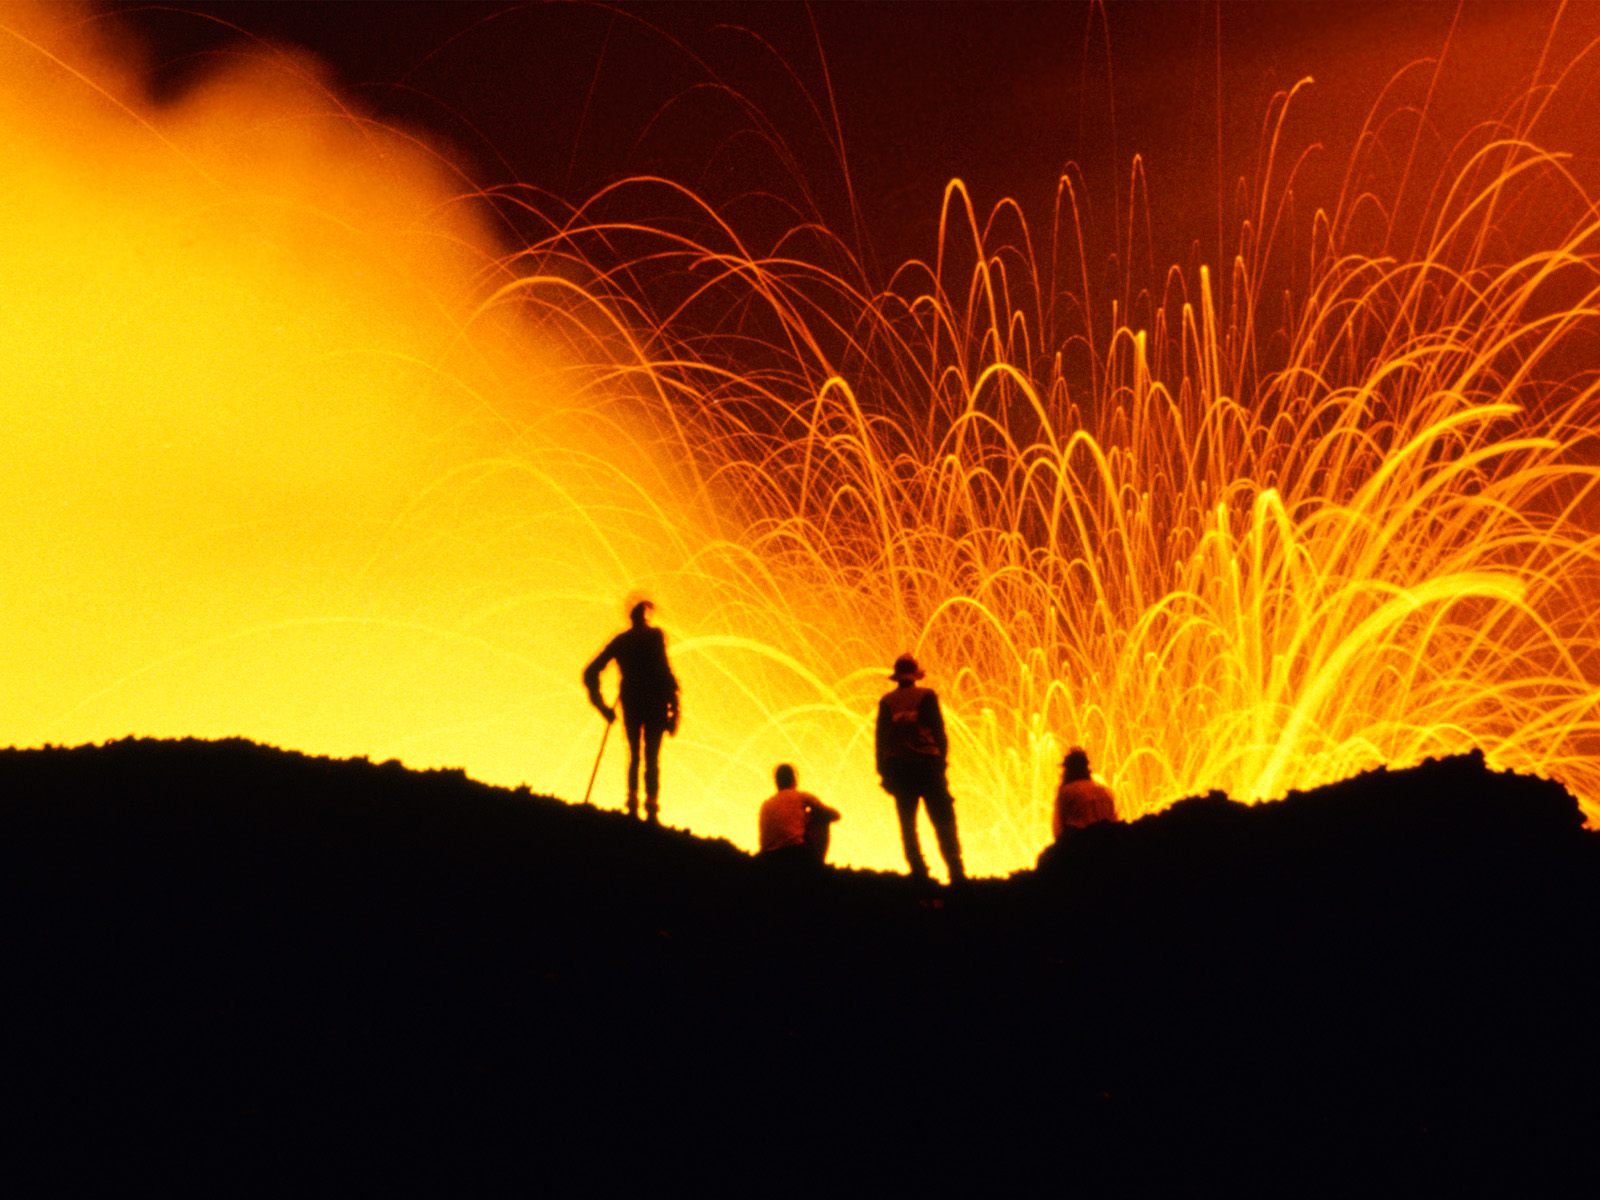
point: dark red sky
(571, 96)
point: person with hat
(1081, 800)
(912, 749)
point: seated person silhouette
(1081, 800)
(794, 825)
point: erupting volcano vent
(303, 449)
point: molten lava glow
(268, 472)
(297, 451)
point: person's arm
(591, 680)
(933, 718)
(663, 665)
(817, 810)
(675, 700)
(881, 737)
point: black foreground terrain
(228, 965)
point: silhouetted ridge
(224, 947)
(194, 799)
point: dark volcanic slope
(225, 960)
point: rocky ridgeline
(227, 959)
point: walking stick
(604, 737)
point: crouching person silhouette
(1081, 801)
(795, 826)
(649, 698)
(911, 751)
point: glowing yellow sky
(272, 472)
(222, 392)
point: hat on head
(906, 669)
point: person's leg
(788, 862)
(905, 807)
(818, 834)
(942, 812)
(652, 771)
(634, 730)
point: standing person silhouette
(911, 753)
(649, 698)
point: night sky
(572, 96)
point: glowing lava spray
(303, 454)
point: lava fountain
(304, 453)
(1220, 547)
